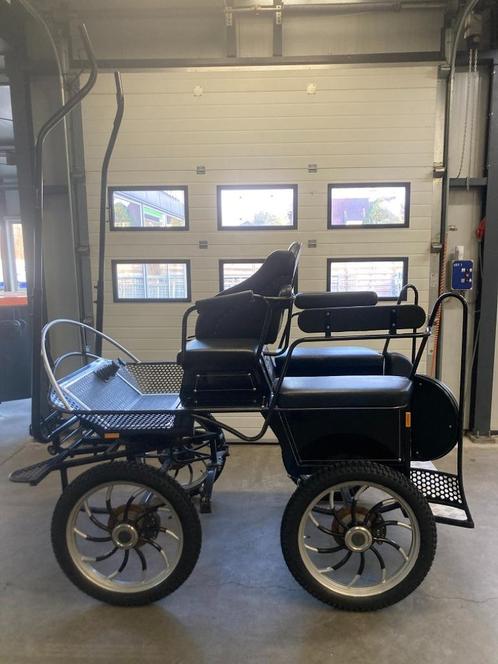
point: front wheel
(358, 536)
(126, 534)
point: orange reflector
(111, 436)
(408, 419)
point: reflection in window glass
(151, 281)
(149, 208)
(19, 256)
(382, 205)
(256, 207)
(233, 273)
(2, 277)
(385, 277)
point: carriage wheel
(358, 536)
(126, 534)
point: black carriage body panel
(314, 438)
(434, 419)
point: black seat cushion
(345, 392)
(397, 365)
(219, 354)
(314, 360)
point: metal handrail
(45, 355)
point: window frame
(372, 259)
(221, 187)
(353, 185)
(224, 261)
(124, 188)
(147, 261)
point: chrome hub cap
(358, 539)
(124, 536)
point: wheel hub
(125, 536)
(358, 538)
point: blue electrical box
(462, 273)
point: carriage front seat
(232, 326)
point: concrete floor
(240, 604)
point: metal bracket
(200, 170)
(228, 17)
(438, 170)
(278, 14)
(312, 168)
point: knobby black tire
(128, 472)
(361, 471)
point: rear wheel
(358, 536)
(126, 534)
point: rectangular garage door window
(369, 205)
(233, 272)
(148, 208)
(385, 276)
(257, 207)
(153, 281)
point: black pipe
(99, 324)
(37, 296)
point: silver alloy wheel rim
(352, 569)
(88, 526)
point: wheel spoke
(332, 549)
(98, 559)
(381, 563)
(91, 538)
(341, 563)
(395, 545)
(142, 559)
(170, 533)
(108, 503)
(329, 511)
(325, 530)
(121, 567)
(401, 524)
(129, 502)
(359, 572)
(354, 502)
(125, 561)
(158, 548)
(386, 505)
(92, 518)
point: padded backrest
(277, 272)
(245, 318)
(328, 300)
(362, 319)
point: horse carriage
(354, 425)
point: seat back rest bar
(332, 300)
(362, 319)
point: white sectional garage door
(309, 127)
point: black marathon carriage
(352, 422)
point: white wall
(259, 126)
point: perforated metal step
(438, 487)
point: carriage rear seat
(345, 392)
(312, 360)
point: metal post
(489, 289)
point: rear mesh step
(36, 473)
(442, 489)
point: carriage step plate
(443, 489)
(36, 473)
